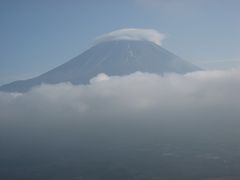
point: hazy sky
(36, 36)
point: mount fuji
(119, 56)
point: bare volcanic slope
(113, 57)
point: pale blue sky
(37, 35)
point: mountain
(116, 57)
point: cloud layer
(133, 34)
(119, 121)
(137, 95)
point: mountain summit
(113, 57)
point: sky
(36, 36)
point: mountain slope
(119, 57)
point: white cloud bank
(119, 115)
(138, 121)
(139, 96)
(133, 34)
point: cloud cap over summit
(135, 34)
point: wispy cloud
(172, 6)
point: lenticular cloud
(133, 34)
